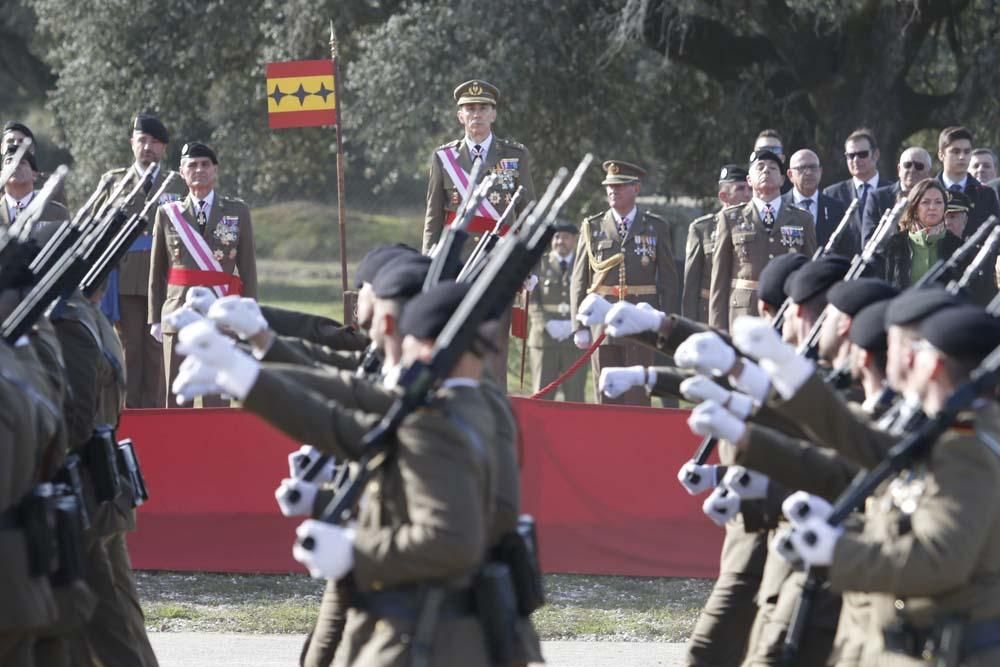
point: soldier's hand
(706, 353)
(698, 478)
(559, 329)
(782, 546)
(296, 497)
(326, 550)
(305, 457)
(182, 317)
(237, 371)
(699, 388)
(592, 310)
(200, 298)
(752, 381)
(156, 331)
(530, 283)
(788, 370)
(721, 505)
(582, 338)
(747, 484)
(710, 418)
(195, 378)
(801, 506)
(814, 541)
(616, 381)
(241, 315)
(626, 319)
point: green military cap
(477, 91)
(732, 173)
(619, 172)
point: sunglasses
(860, 155)
(915, 166)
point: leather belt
(630, 290)
(739, 283)
(406, 603)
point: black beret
(765, 154)
(425, 315)
(914, 305)
(151, 125)
(732, 173)
(568, 227)
(965, 332)
(868, 327)
(402, 279)
(851, 296)
(378, 257)
(816, 277)
(771, 283)
(28, 155)
(20, 127)
(197, 149)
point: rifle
(15, 162)
(945, 269)
(489, 239)
(915, 444)
(21, 228)
(826, 249)
(122, 241)
(67, 271)
(503, 276)
(17, 249)
(988, 248)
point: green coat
(698, 268)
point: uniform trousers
(143, 354)
(321, 645)
(549, 362)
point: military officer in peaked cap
(623, 253)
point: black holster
(69, 527)
(100, 453)
(128, 463)
(496, 607)
(36, 518)
(519, 551)
(70, 476)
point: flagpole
(349, 301)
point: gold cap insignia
(475, 89)
(613, 168)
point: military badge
(168, 197)
(454, 198)
(507, 197)
(228, 229)
(509, 164)
(494, 197)
(792, 236)
(645, 247)
(232, 254)
(219, 254)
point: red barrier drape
(600, 481)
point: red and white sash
(211, 273)
(460, 179)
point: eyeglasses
(774, 149)
(806, 167)
(915, 166)
(859, 155)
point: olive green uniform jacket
(698, 268)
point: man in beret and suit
(204, 239)
(128, 291)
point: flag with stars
(301, 94)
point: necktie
(808, 204)
(862, 196)
(563, 264)
(478, 153)
(17, 211)
(768, 218)
(623, 228)
(202, 218)
(954, 187)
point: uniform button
(899, 605)
(377, 585)
(373, 486)
(475, 239)
(770, 256)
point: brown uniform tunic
(698, 268)
(550, 357)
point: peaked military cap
(958, 201)
(757, 156)
(965, 332)
(771, 283)
(151, 125)
(732, 173)
(28, 156)
(13, 125)
(476, 91)
(377, 258)
(851, 296)
(913, 305)
(816, 277)
(868, 327)
(568, 227)
(196, 149)
(403, 278)
(619, 172)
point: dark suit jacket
(878, 203)
(845, 193)
(984, 203)
(994, 185)
(829, 211)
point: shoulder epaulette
(233, 200)
(450, 144)
(653, 216)
(704, 218)
(117, 171)
(596, 216)
(513, 144)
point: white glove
(592, 310)
(156, 331)
(698, 479)
(752, 381)
(782, 545)
(700, 388)
(582, 338)
(625, 319)
(559, 329)
(721, 505)
(800, 507)
(710, 418)
(296, 497)
(747, 484)
(195, 378)
(237, 371)
(182, 317)
(616, 381)
(530, 283)
(301, 459)
(705, 352)
(778, 359)
(326, 550)
(241, 315)
(200, 298)
(813, 541)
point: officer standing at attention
(143, 353)
(749, 236)
(551, 332)
(733, 190)
(624, 254)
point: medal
(454, 197)
(645, 260)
